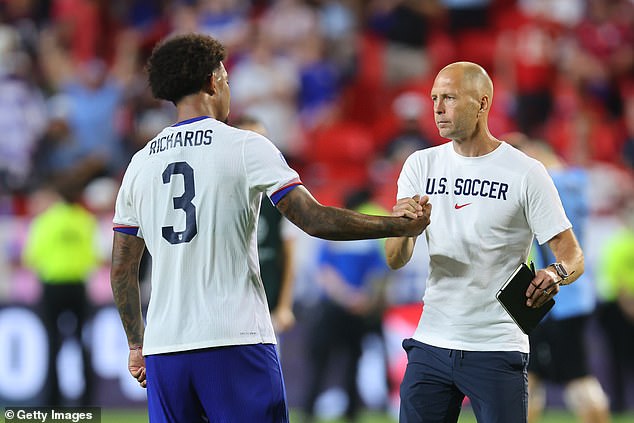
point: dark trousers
(335, 333)
(64, 308)
(437, 379)
(619, 333)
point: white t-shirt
(485, 212)
(194, 193)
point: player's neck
(193, 106)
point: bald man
(489, 200)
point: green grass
(124, 416)
(551, 416)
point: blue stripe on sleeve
(130, 230)
(279, 194)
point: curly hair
(181, 65)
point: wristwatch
(561, 271)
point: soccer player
(192, 196)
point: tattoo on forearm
(124, 279)
(333, 223)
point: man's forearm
(343, 225)
(338, 224)
(398, 251)
(567, 251)
(124, 280)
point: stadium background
(342, 87)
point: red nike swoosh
(456, 206)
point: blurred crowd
(342, 87)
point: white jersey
(485, 212)
(194, 193)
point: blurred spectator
(408, 133)
(150, 19)
(225, 20)
(558, 344)
(465, 15)
(527, 57)
(595, 60)
(143, 14)
(339, 27)
(319, 81)
(604, 58)
(184, 18)
(628, 115)
(405, 26)
(62, 250)
(26, 17)
(264, 84)
(86, 27)
(565, 12)
(94, 94)
(616, 313)
(276, 23)
(351, 275)
(55, 149)
(472, 29)
(22, 114)
(94, 99)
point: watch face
(561, 270)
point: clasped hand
(543, 287)
(414, 208)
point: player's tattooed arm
(301, 208)
(124, 279)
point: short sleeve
(125, 216)
(544, 212)
(267, 170)
(408, 179)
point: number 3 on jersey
(184, 202)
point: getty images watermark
(52, 414)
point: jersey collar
(192, 120)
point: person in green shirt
(62, 250)
(618, 267)
(616, 312)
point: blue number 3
(184, 202)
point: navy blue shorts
(236, 384)
(437, 379)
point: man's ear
(210, 85)
(484, 104)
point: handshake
(417, 210)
